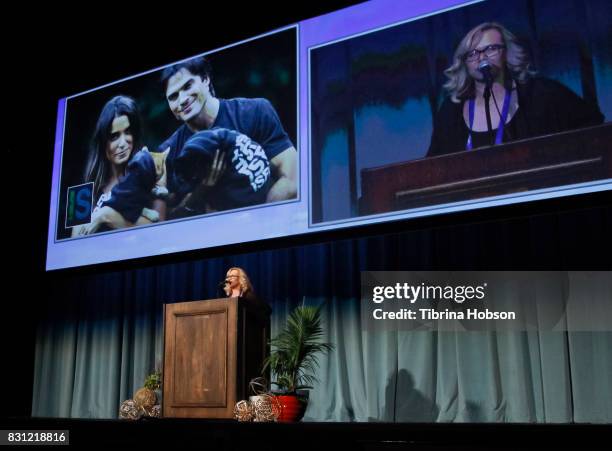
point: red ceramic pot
(292, 408)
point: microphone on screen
(486, 69)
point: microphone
(221, 288)
(222, 283)
(486, 69)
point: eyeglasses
(489, 51)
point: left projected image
(209, 135)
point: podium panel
(575, 156)
(212, 349)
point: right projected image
(482, 102)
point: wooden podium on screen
(576, 156)
(212, 349)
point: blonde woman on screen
(491, 71)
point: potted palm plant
(293, 360)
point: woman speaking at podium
(237, 284)
(495, 98)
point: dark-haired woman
(117, 135)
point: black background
(59, 54)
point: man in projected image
(191, 98)
(491, 71)
(227, 154)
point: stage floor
(231, 435)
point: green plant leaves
(295, 350)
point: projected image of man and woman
(227, 154)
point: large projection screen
(345, 122)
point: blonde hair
(460, 85)
(243, 281)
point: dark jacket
(545, 107)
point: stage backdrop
(100, 334)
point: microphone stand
(487, 95)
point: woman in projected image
(117, 134)
(490, 63)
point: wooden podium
(566, 158)
(212, 349)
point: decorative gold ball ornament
(153, 412)
(145, 398)
(266, 407)
(129, 410)
(243, 411)
(260, 407)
